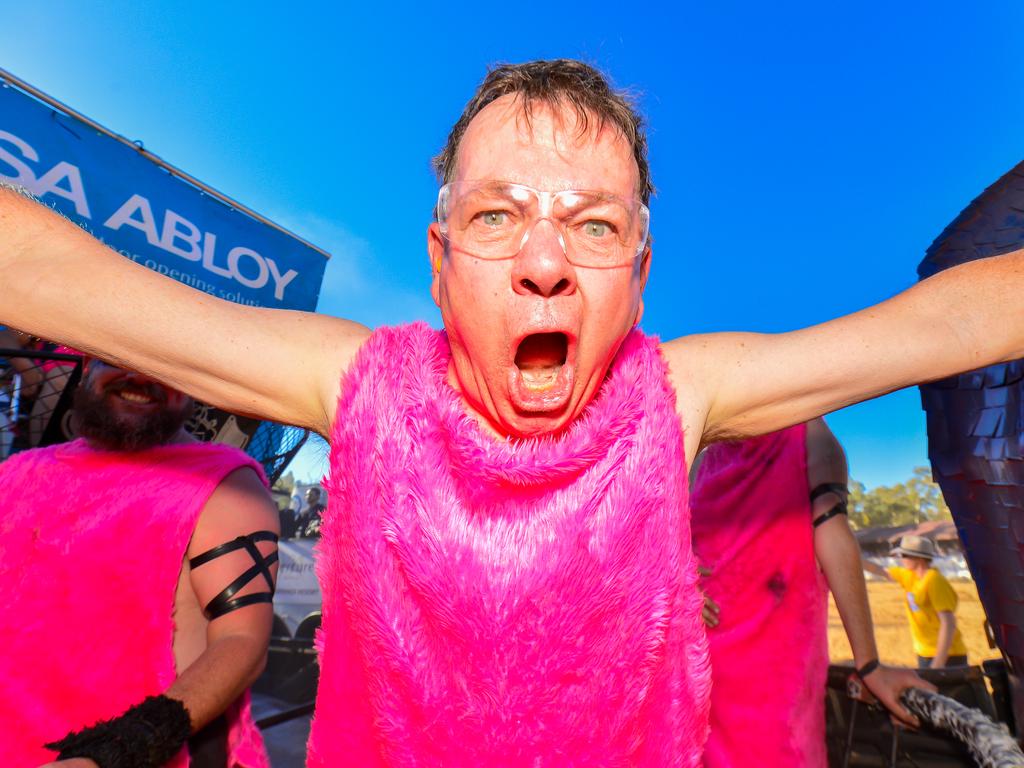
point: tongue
(540, 357)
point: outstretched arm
(876, 569)
(212, 675)
(741, 384)
(236, 642)
(60, 283)
(839, 556)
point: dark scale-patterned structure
(976, 433)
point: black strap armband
(147, 735)
(868, 668)
(839, 508)
(226, 602)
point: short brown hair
(553, 82)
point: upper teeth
(135, 397)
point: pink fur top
(91, 547)
(506, 602)
(769, 655)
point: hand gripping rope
(990, 744)
(225, 602)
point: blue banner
(149, 215)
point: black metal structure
(860, 733)
(976, 433)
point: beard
(106, 427)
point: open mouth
(540, 358)
(135, 394)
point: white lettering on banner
(181, 237)
(234, 264)
(209, 248)
(125, 216)
(280, 281)
(50, 182)
(190, 235)
(266, 266)
(24, 176)
(176, 234)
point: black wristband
(868, 668)
(147, 735)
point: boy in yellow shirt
(931, 603)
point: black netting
(36, 387)
(274, 446)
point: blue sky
(805, 153)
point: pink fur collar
(491, 602)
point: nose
(541, 268)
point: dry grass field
(893, 634)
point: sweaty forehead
(549, 150)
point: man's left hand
(887, 683)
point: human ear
(644, 268)
(435, 252)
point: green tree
(915, 501)
(928, 496)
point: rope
(989, 743)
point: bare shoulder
(301, 357)
(690, 373)
(338, 341)
(239, 506)
(703, 369)
(821, 438)
(826, 460)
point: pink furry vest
(91, 547)
(506, 603)
(769, 655)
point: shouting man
(506, 559)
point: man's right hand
(887, 683)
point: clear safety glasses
(494, 219)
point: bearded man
(506, 561)
(136, 573)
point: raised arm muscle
(60, 283)
(743, 384)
